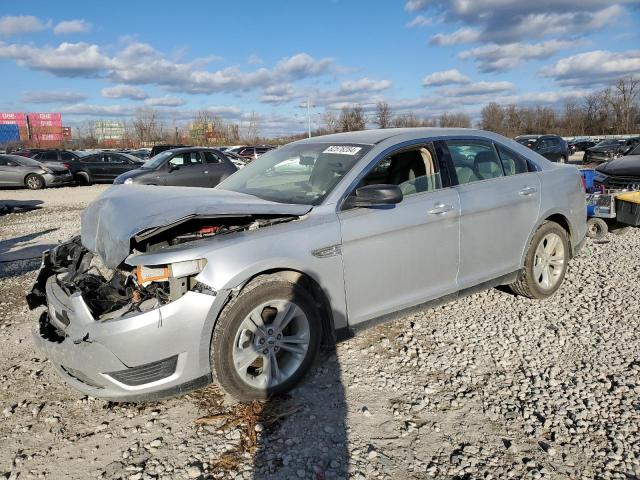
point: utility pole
(309, 117)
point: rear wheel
(83, 179)
(34, 182)
(265, 339)
(545, 263)
(597, 228)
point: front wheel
(34, 182)
(265, 339)
(545, 263)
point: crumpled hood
(123, 211)
(604, 149)
(628, 166)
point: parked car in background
(552, 147)
(622, 173)
(242, 283)
(581, 145)
(156, 149)
(236, 159)
(251, 153)
(184, 167)
(141, 153)
(91, 166)
(16, 171)
(27, 152)
(609, 149)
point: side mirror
(374, 196)
(173, 167)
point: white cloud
(595, 67)
(72, 26)
(65, 60)
(445, 77)
(498, 58)
(166, 101)
(124, 91)
(477, 88)
(53, 97)
(93, 110)
(463, 35)
(20, 24)
(508, 21)
(363, 85)
(255, 60)
(278, 94)
(420, 21)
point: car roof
(375, 136)
(188, 149)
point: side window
(211, 157)
(414, 170)
(512, 163)
(91, 159)
(554, 142)
(185, 159)
(66, 156)
(48, 156)
(542, 144)
(474, 160)
(111, 158)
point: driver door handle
(526, 191)
(440, 208)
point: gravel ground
(491, 386)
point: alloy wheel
(549, 261)
(271, 344)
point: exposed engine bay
(125, 290)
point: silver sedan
(309, 244)
(17, 171)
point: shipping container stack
(17, 119)
(9, 134)
(45, 129)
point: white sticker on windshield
(342, 149)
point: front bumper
(51, 180)
(143, 356)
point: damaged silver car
(167, 289)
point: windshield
(296, 173)
(159, 159)
(605, 143)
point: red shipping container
(44, 123)
(48, 137)
(54, 117)
(13, 118)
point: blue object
(588, 175)
(9, 133)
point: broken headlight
(178, 276)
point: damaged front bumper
(135, 357)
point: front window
(298, 173)
(159, 159)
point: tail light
(67, 165)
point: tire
(542, 275)
(83, 179)
(597, 228)
(563, 159)
(234, 344)
(34, 181)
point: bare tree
(383, 115)
(352, 118)
(253, 129)
(623, 101)
(147, 126)
(329, 121)
(492, 118)
(454, 120)
(407, 120)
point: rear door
(499, 208)
(11, 173)
(217, 168)
(94, 165)
(114, 165)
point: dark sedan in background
(609, 149)
(182, 167)
(620, 173)
(18, 171)
(552, 147)
(90, 167)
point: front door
(499, 201)
(11, 173)
(186, 169)
(403, 255)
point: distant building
(109, 131)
